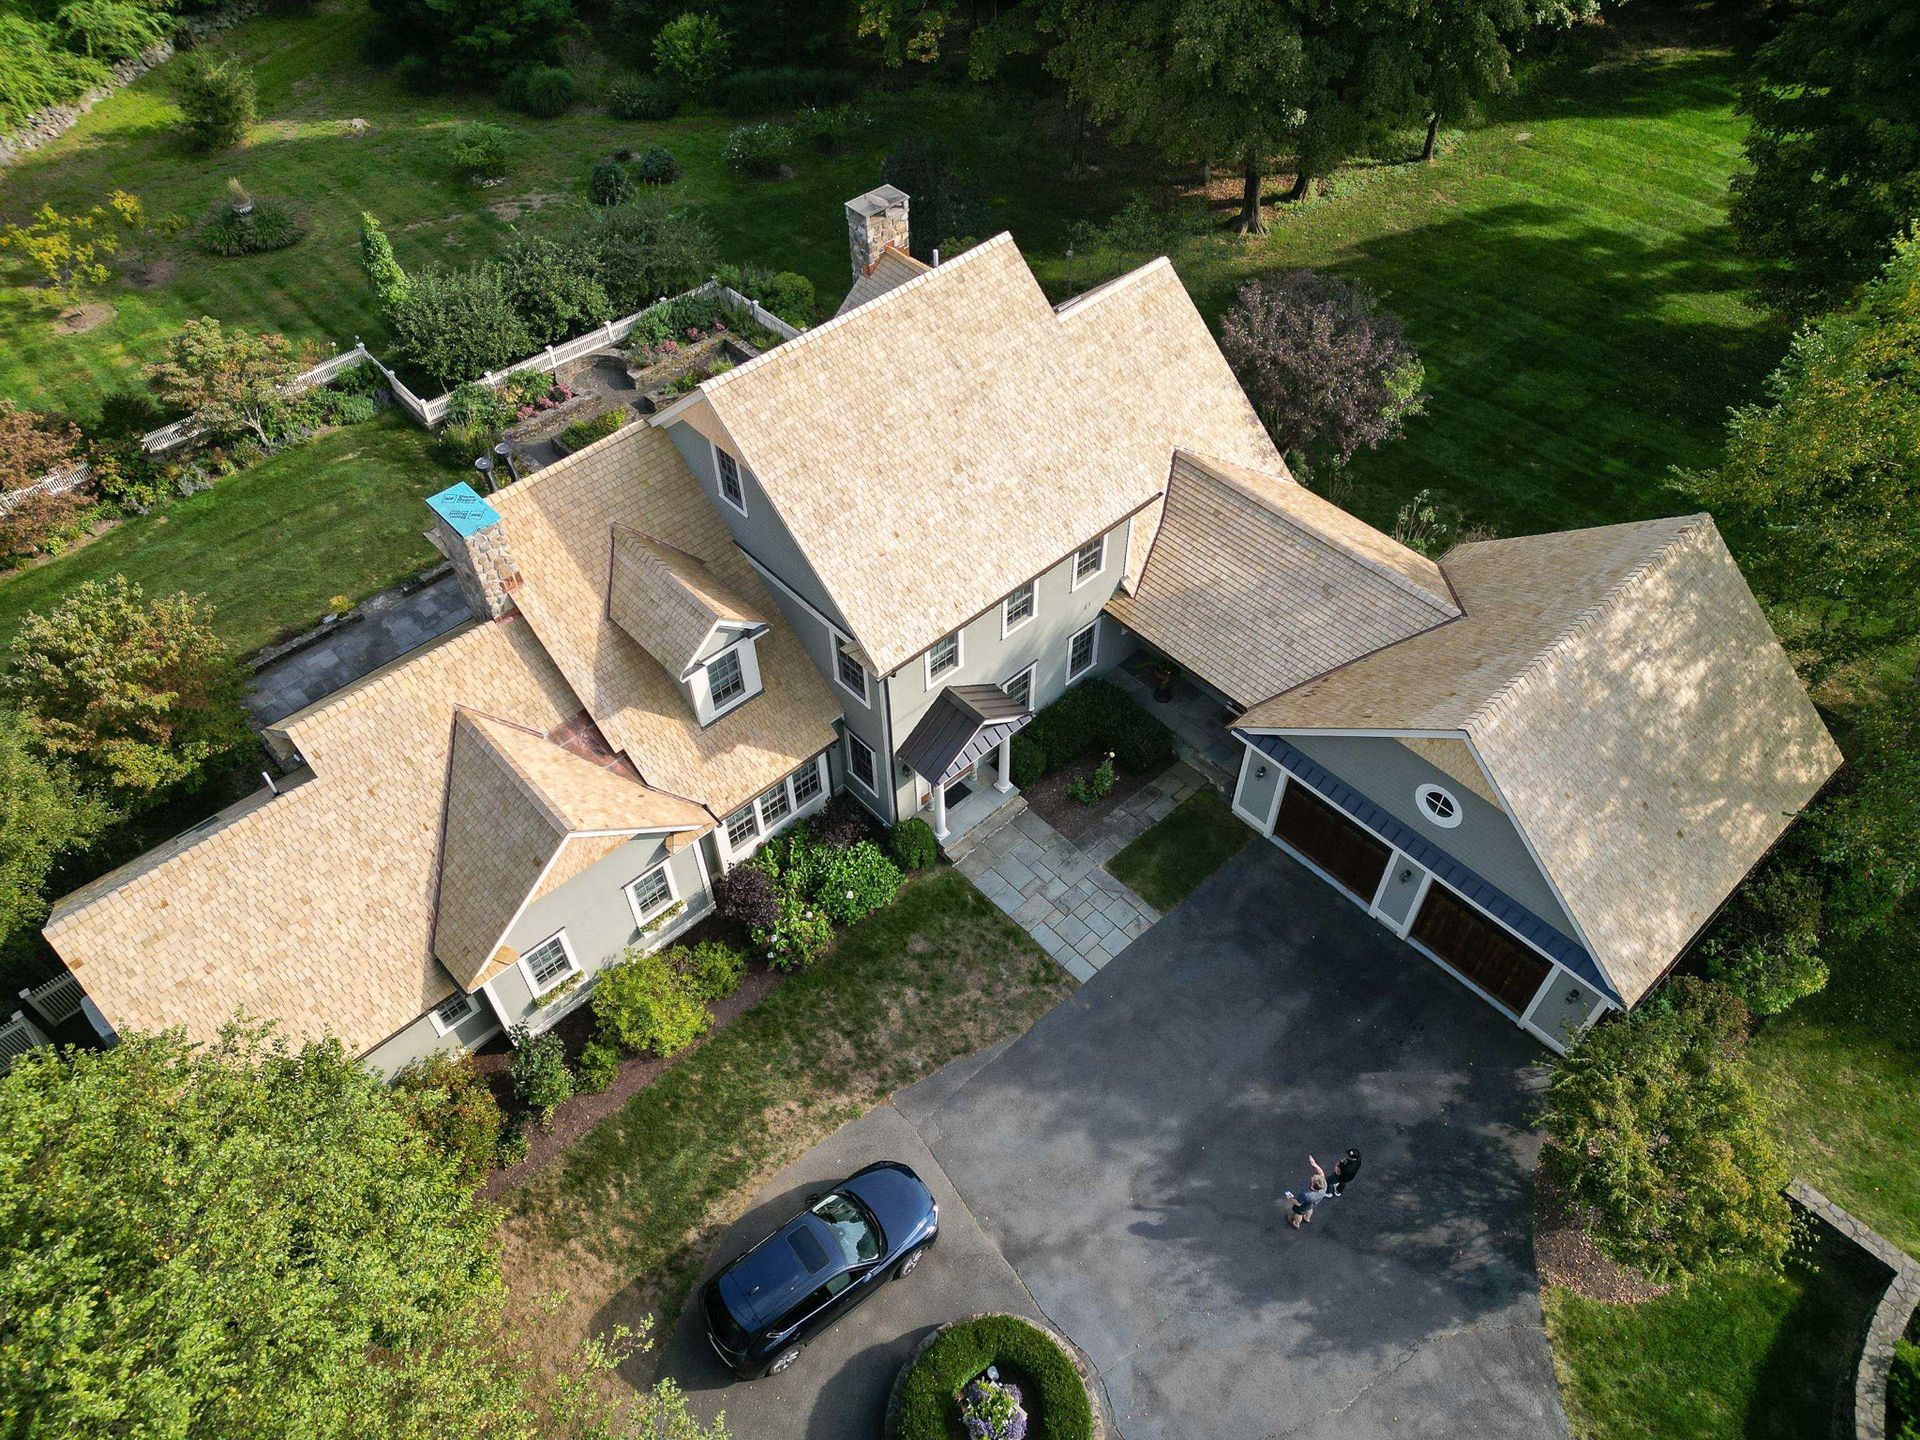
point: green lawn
(626, 1217)
(271, 546)
(1164, 865)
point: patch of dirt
(83, 318)
(513, 207)
(1048, 797)
(1565, 1255)
(152, 275)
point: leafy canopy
(70, 251)
(228, 381)
(31, 445)
(43, 814)
(691, 51)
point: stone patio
(1058, 890)
(1198, 721)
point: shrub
(599, 1063)
(691, 51)
(444, 1098)
(555, 289)
(1029, 761)
(478, 406)
(1094, 787)
(390, 283)
(655, 165)
(1766, 947)
(541, 1080)
(1097, 714)
(759, 150)
(788, 295)
(513, 1143)
(641, 1004)
(479, 150)
(746, 896)
(1140, 743)
(351, 409)
(913, 844)
(829, 130)
(645, 249)
(124, 414)
(1068, 728)
(270, 225)
(109, 29)
(455, 325)
(851, 884)
(417, 75)
(216, 100)
(785, 88)
(609, 184)
(928, 1403)
(583, 433)
(1903, 1391)
(711, 969)
(543, 91)
(843, 822)
(798, 936)
(639, 97)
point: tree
(43, 815)
(1661, 1093)
(32, 447)
(477, 38)
(445, 1099)
(1765, 946)
(237, 1240)
(216, 100)
(554, 290)
(138, 695)
(945, 206)
(691, 50)
(1821, 483)
(390, 283)
(69, 252)
(583, 1410)
(1329, 372)
(645, 250)
(1866, 829)
(1833, 146)
(456, 325)
(229, 381)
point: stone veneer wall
(1896, 1307)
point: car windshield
(851, 1230)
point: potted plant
(1160, 676)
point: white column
(1005, 782)
(940, 811)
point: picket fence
(428, 413)
(58, 1000)
(17, 1037)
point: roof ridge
(1073, 304)
(1326, 541)
(1588, 616)
(619, 526)
(525, 781)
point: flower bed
(937, 1398)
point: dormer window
(725, 682)
(944, 655)
(731, 490)
(1089, 560)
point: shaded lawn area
(1738, 1358)
(1164, 865)
(623, 1221)
(271, 546)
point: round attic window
(1438, 805)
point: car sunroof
(808, 1250)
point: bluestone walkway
(389, 626)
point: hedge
(1056, 1396)
(1097, 714)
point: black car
(872, 1227)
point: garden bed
(666, 381)
(1048, 796)
(1051, 1381)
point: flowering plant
(991, 1409)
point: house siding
(421, 1039)
(592, 908)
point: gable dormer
(672, 606)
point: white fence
(58, 1000)
(427, 412)
(17, 1037)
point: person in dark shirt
(1344, 1171)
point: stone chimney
(467, 530)
(876, 220)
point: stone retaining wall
(1897, 1305)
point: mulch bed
(1047, 797)
(1565, 1254)
(580, 1114)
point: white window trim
(739, 847)
(700, 683)
(1450, 822)
(573, 965)
(863, 695)
(1092, 660)
(1033, 609)
(796, 808)
(673, 892)
(719, 487)
(853, 775)
(1032, 672)
(959, 638)
(1097, 571)
(440, 1027)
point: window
(742, 826)
(860, 763)
(1016, 610)
(852, 674)
(1438, 805)
(453, 1011)
(548, 963)
(1020, 689)
(724, 681)
(650, 894)
(775, 806)
(1089, 560)
(944, 656)
(1082, 651)
(806, 785)
(730, 488)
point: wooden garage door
(1353, 856)
(1479, 948)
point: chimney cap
(878, 200)
(462, 508)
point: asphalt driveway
(1117, 1170)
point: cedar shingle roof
(893, 269)
(559, 526)
(1627, 697)
(935, 447)
(668, 600)
(1256, 584)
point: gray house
(858, 563)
